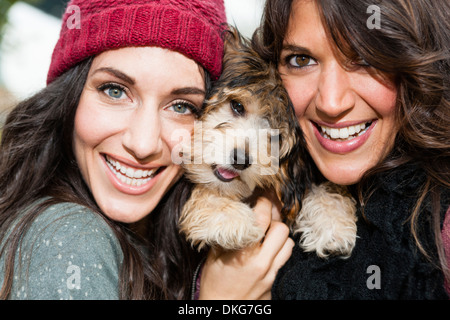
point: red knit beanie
(191, 27)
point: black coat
(385, 263)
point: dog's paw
(230, 225)
(327, 221)
(234, 229)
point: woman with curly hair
(369, 81)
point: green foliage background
(4, 8)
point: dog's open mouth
(225, 174)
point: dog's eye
(237, 108)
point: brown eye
(237, 108)
(300, 61)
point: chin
(342, 176)
(126, 211)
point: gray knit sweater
(68, 253)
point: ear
(234, 41)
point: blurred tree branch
(5, 5)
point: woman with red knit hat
(89, 195)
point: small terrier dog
(248, 138)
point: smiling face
(346, 110)
(132, 102)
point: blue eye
(113, 90)
(183, 108)
(115, 93)
(180, 108)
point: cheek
(94, 123)
(86, 136)
(380, 96)
(177, 138)
(300, 93)
(87, 133)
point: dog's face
(237, 144)
(248, 132)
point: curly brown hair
(411, 47)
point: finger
(214, 253)
(276, 204)
(276, 212)
(284, 254)
(263, 212)
(275, 239)
(280, 260)
(266, 296)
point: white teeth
(130, 173)
(130, 176)
(138, 174)
(343, 133)
(334, 133)
(346, 133)
(351, 130)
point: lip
(342, 124)
(126, 188)
(342, 147)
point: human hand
(248, 274)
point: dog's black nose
(240, 159)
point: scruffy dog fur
(248, 98)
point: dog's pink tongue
(227, 174)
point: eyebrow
(188, 91)
(116, 73)
(179, 91)
(295, 48)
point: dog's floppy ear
(242, 66)
(294, 172)
(235, 44)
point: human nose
(143, 137)
(335, 95)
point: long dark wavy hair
(37, 161)
(412, 47)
